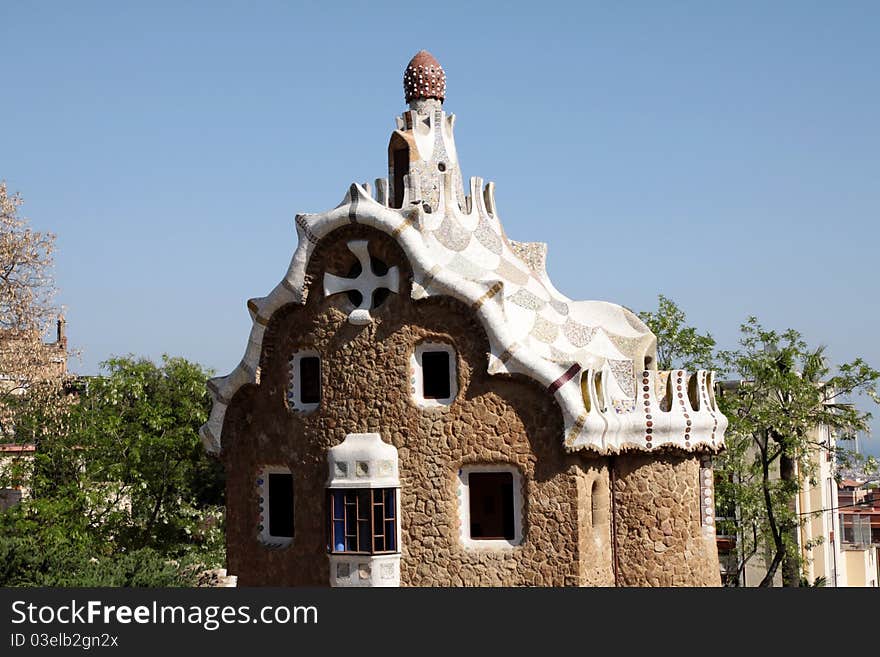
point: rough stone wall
(594, 523)
(660, 541)
(366, 388)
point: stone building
(418, 405)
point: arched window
(398, 163)
(599, 503)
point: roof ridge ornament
(424, 78)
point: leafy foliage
(124, 492)
(783, 392)
(787, 393)
(679, 346)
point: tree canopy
(121, 472)
(779, 390)
(786, 390)
(679, 346)
(27, 291)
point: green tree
(135, 431)
(679, 346)
(786, 390)
(121, 473)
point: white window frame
(417, 374)
(294, 393)
(464, 507)
(265, 537)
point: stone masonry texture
(660, 541)
(511, 420)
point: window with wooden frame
(363, 520)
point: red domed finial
(424, 78)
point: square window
(490, 506)
(9, 497)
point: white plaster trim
(365, 283)
(512, 349)
(417, 374)
(464, 507)
(365, 461)
(362, 460)
(276, 542)
(364, 570)
(294, 392)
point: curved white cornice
(532, 329)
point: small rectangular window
(281, 505)
(435, 375)
(434, 370)
(304, 384)
(491, 505)
(310, 380)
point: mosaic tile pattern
(623, 372)
(544, 331)
(559, 306)
(465, 267)
(511, 272)
(578, 334)
(526, 299)
(460, 249)
(486, 235)
(534, 254)
(558, 356)
(424, 78)
(452, 236)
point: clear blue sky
(725, 154)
